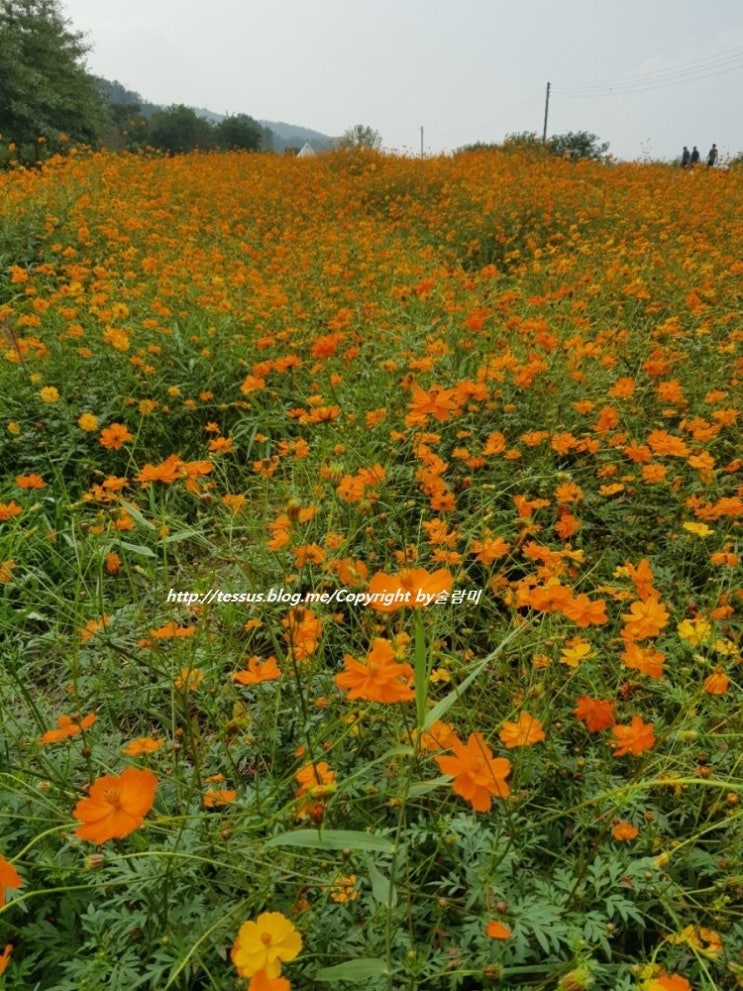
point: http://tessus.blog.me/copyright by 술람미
(339, 596)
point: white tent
(305, 151)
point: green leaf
(424, 787)
(137, 549)
(333, 839)
(353, 970)
(195, 535)
(382, 888)
(136, 515)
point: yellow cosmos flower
(87, 422)
(575, 651)
(694, 631)
(264, 944)
(699, 529)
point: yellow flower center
(266, 939)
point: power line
(689, 72)
(686, 67)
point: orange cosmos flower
(303, 632)
(495, 443)
(584, 611)
(235, 502)
(8, 510)
(653, 473)
(9, 878)
(252, 383)
(705, 941)
(644, 659)
(624, 831)
(567, 525)
(166, 472)
(669, 982)
(114, 437)
(725, 558)
(441, 736)
(642, 578)
(477, 774)
(380, 679)
(633, 739)
(66, 728)
(32, 481)
(115, 806)
(490, 549)
(262, 982)
(437, 402)
(645, 619)
(217, 798)
(496, 930)
(413, 587)
(316, 782)
(222, 445)
(349, 571)
(258, 671)
(597, 714)
(547, 598)
(523, 733)
(5, 957)
(662, 443)
(717, 683)
(172, 629)
(142, 745)
(93, 626)
(263, 945)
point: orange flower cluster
(467, 369)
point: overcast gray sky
(646, 75)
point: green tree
(578, 144)
(239, 131)
(45, 91)
(360, 136)
(179, 129)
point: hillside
(284, 135)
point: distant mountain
(284, 135)
(294, 136)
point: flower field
(370, 586)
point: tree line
(48, 99)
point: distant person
(685, 156)
(712, 157)
(694, 156)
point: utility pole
(546, 111)
(421, 141)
